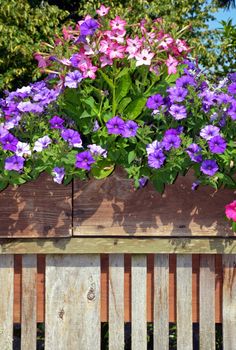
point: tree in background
(23, 26)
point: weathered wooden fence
(72, 286)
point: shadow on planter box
(112, 207)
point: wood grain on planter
(112, 207)
(39, 208)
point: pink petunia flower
(230, 211)
(103, 11)
(171, 63)
(144, 58)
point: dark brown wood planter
(111, 207)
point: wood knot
(61, 314)
(91, 294)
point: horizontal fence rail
(74, 293)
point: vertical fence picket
(184, 302)
(29, 302)
(161, 302)
(72, 302)
(139, 302)
(229, 302)
(207, 302)
(116, 302)
(6, 301)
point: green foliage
(23, 27)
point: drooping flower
(156, 159)
(209, 167)
(97, 150)
(14, 163)
(209, 131)
(23, 148)
(42, 143)
(72, 79)
(230, 211)
(193, 151)
(72, 137)
(178, 112)
(155, 101)
(195, 185)
(171, 141)
(143, 181)
(56, 122)
(172, 64)
(58, 174)
(115, 125)
(130, 129)
(217, 144)
(84, 160)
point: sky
(223, 15)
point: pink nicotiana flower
(171, 63)
(105, 61)
(118, 23)
(103, 11)
(116, 51)
(144, 58)
(230, 211)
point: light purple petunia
(84, 160)
(73, 79)
(209, 131)
(96, 126)
(154, 146)
(58, 174)
(97, 150)
(154, 102)
(156, 159)
(171, 141)
(185, 80)
(177, 94)
(232, 88)
(14, 163)
(9, 142)
(115, 126)
(178, 112)
(42, 143)
(217, 144)
(209, 167)
(3, 131)
(22, 148)
(72, 137)
(232, 110)
(29, 107)
(193, 151)
(143, 181)
(130, 129)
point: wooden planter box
(112, 207)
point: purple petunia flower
(217, 144)
(232, 88)
(9, 142)
(224, 98)
(154, 102)
(58, 174)
(72, 137)
(97, 150)
(130, 129)
(28, 106)
(84, 160)
(178, 112)
(22, 148)
(232, 110)
(154, 146)
(96, 126)
(3, 131)
(171, 141)
(209, 131)
(115, 126)
(72, 79)
(42, 143)
(209, 167)
(14, 163)
(56, 122)
(185, 80)
(88, 27)
(195, 185)
(156, 159)
(173, 131)
(177, 94)
(232, 76)
(143, 181)
(193, 151)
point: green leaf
(102, 172)
(123, 87)
(131, 156)
(135, 108)
(107, 79)
(123, 104)
(158, 183)
(234, 226)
